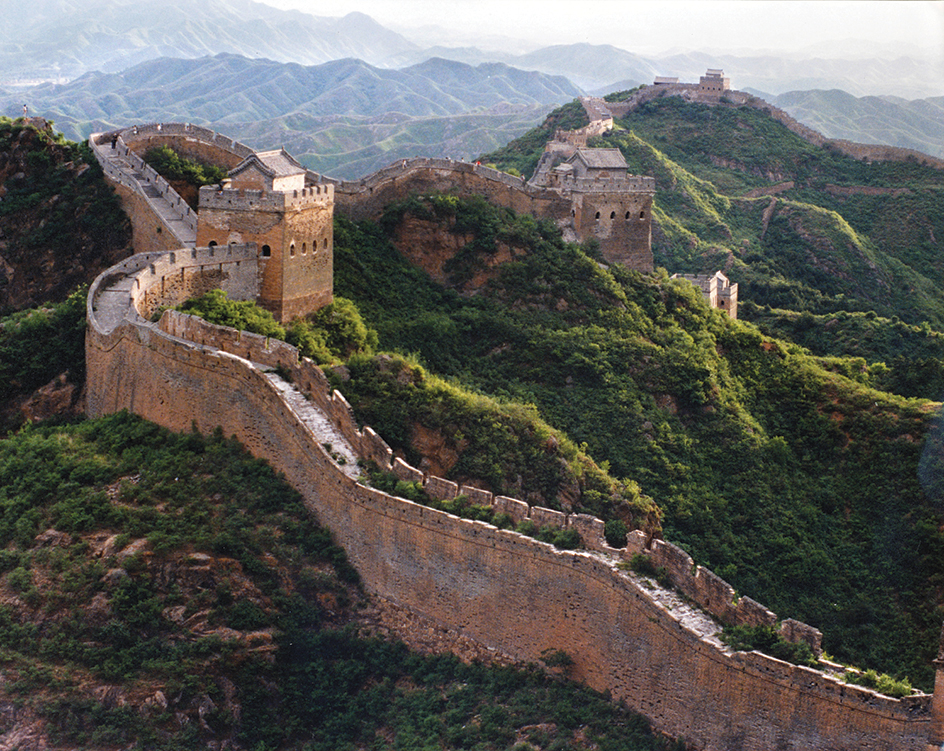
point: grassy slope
(186, 597)
(789, 478)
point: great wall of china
(656, 649)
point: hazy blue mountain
(598, 67)
(906, 77)
(344, 117)
(65, 38)
(916, 124)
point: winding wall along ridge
(507, 592)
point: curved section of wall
(191, 141)
(506, 591)
(160, 218)
(367, 198)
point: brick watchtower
(269, 201)
(609, 204)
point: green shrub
(768, 640)
(881, 682)
(567, 539)
(615, 531)
(246, 615)
(244, 315)
(171, 166)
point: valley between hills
(167, 591)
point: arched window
(612, 215)
(598, 215)
(642, 214)
(304, 249)
(213, 244)
(627, 216)
(291, 250)
(266, 251)
(326, 242)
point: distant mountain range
(62, 39)
(343, 117)
(348, 95)
(917, 124)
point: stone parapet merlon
(231, 198)
(654, 648)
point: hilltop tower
(608, 204)
(268, 200)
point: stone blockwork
(294, 233)
(190, 141)
(293, 229)
(582, 214)
(499, 589)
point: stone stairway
(169, 206)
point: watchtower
(609, 204)
(268, 200)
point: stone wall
(367, 198)
(584, 214)
(190, 141)
(621, 223)
(505, 591)
(149, 232)
(295, 236)
(140, 188)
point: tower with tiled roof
(269, 199)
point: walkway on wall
(125, 167)
(318, 423)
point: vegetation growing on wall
(188, 599)
(331, 334)
(774, 468)
(172, 166)
(503, 446)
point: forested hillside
(788, 451)
(165, 591)
(779, 470)
(792, 474)
(801, 229)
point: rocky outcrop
(60, 225)
(431, 246)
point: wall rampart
(191, 141)
(504, 590)
(368, 197)
(140, 188)
(258, 200)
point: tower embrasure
(269, 200)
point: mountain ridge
(342, 115)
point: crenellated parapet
(656, 649)
(212, 197)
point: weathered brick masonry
(506, 591)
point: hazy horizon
(654, 26)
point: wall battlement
(258, 200)
(625, 635)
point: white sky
(650, 26)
